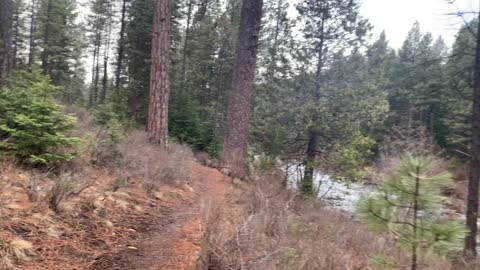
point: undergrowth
(271, 228)
(82, 206)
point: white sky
(396, 17)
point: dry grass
(68, 224)
(16, 250)
(66, 185)
(410, 137)
(21, 249)
(154, 165)
(203, 158)
(68, 214)
(84, 123)
(265, 227)
(34, 179)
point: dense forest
(302, 84)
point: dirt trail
(173, 241)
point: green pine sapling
(33, 125)
(408, 206)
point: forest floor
(104, 228)
(207, 221)
(174, 241)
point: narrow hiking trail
(173, 241)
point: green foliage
(348, 161)
(105, 116)
(383, 262)
(139, 37)
(203, 73)
(106, 150)
(59, 37)
(33, 126)
(418, 84)
(459, 97)
(288, 255)
(408, 206)
(139, 40)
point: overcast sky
(396, 17)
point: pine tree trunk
(157, 124)
(46, 38)
(307, 187)
(106, 56)
(31, 38)
(121, 45)
(272, 67)
(474, 181)
(104, 79)
(103, 94)
(16, 38)
(239, 105)
(6, 39)
(185, 43)
(92, 87)
(97, 77)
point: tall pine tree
(239, 105)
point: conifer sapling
(408, 206)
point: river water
(344, 196)
(338, 195)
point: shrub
(153, 164)
(33, 126)
(412, 138)
(106, 151)
(264, 226)
(33, 188)
(65, 186)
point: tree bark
(185, 43)
(272, 67)
(157, 124)
(121, 45)
(46, 37)
(16, 35)
(6, 39)
(103, 94)
(307, 186)
(97, 77)
(31, 38)
(470, 249)
(92, 86)
(239, 104)
(105, 61)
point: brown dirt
(104, 229)
(173, 240)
